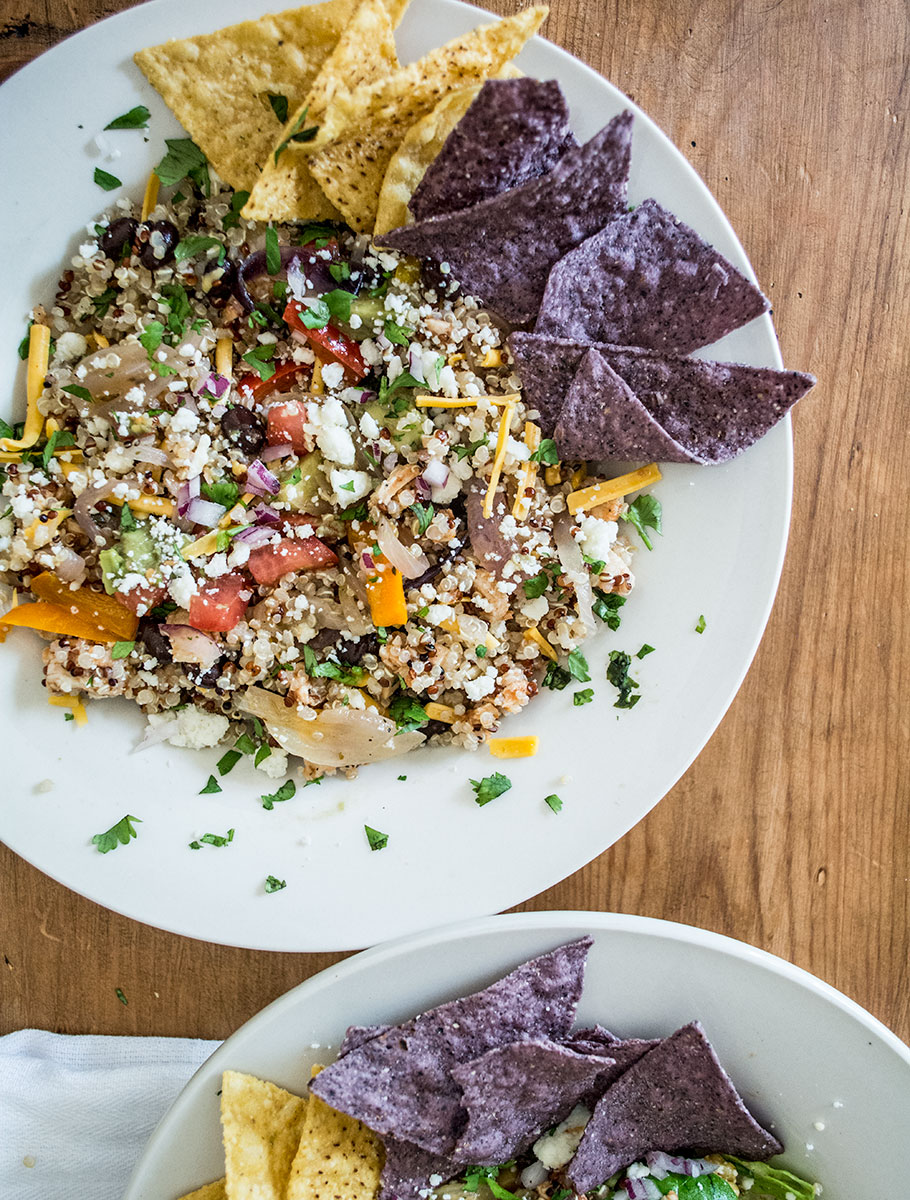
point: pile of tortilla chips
(308, 109)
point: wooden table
(792, 830)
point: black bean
(434, 729)
(352, 652)
(245, 429)
(148, 255)
(118, 236)
(209, 677)
(158, 644)
(223, 288)
(324, 639)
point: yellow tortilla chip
(337, 1157)
(421, 144)
(286, 191)
(218, 84)
(261, 1124)
(351, 169)
(208, 1191)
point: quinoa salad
(285, 477)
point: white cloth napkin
(76, 1112)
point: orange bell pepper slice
(54, 618)
(384, 583)
(102, 612)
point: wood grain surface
(792, 829)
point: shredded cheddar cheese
(514, 747)
(72, 702)
(426, 401)
(224, 358)
(534, 635)
(440, 712)
(150, 199)
(155, 506)
(492, 358)
(553, 475)
(505, 422)
(202, 547)
(99, 339)
(39, 346)
(601, 493)
(528, 475)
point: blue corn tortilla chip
(407, 1170)
(357, 1035)
(515, 1093)
(502, 249)
(646, 279)
(677, 1097)
(515, 130)
(583, 1040)
(400, 1084)
(712, 410)
(602, 418)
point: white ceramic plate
(721, 553)
(801, 1054)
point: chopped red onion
(215, 385)
(187, 493)
(662, 1164)
(390, 461)
(264, 512)
(204, 512)
(415, 363)
(188, 645)
(366, 396)
(635, 1189)
(255, 535)
(82, 511)
(423, 488)
(282, 450)
(147, 453)
(436, 473)
(72, 568)
(367, 560)
(260, 480)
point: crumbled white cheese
(597, 536)
(535, 610)
(555, 1149)
(332, 375)
(349, 486)
(276, 765)
(369, 426)
(193, 728)
(184, 421)
(71, 346)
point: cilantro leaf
(80, 393)
(546, 453)
(555, 677)
(221, 491)
(339, 304)
(195, 244)
(127, 520)
(316, 314)
(274, 885)
(259, 359)
(23, 345)
(606, 607)
(618, 675)
(474, 1176)
(213, 839)
(585, 696)
(122, 649)
(700, 1187)
(774, 1181)
(272, 251)
(212, 786)
(407, 713)
(469, 451)
(107, 181)
(536, 585)
(340, 271)
(399, 334)
(184, 160)
(317, 232)
(136, 118)
(279, 105)
(151, 338)
(424, 514)
(377, 840)
(645, 650)
(490, 787)
(645, 513)
(297, 134)
(121, 996)
(57, 441)
(117, 835)
(232, 218)
(103, 302)
(286, 792)
(701, 624)
(228, 761)
(354, 512)
(578, 666)
(553, 802)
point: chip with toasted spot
(337, 1156)
(350, 170)
(261, 1124)
(365, 53)
(421, 145)
(209, 1191)
(218, 84)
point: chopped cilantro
(127, 520)
(68, 717)
(184, 160)
(222, 491)
(553, 802)
(339, 304)
(58, 439)
(701, 624)
(402, 778)
(645, 513)
(480, 651)
(272, 251)
(117, 835)
(232, 217)
(618, 675)
(103, 302)
(162, 611)
(107, 181)
(316, 314)
(773, 1181)
(474, 1176)
(119, 993)
(555, 677)
(645, 650)
(274, 885)
(404, 380)
(470, 450)
(347, 487)
(262, 754)
(490, 787)
(424, 514)
(607, 606)
(377, 840)
(151, 338)
(340, 271)
(196, 244)
(407, 713)
(696, 1187)
(546, 453)
(399, 334)
(287, 790)
(317, 232)
(228, 761)
(212, 786)
(354, 512)
(595, 565)
(536, 585)
(245, 744)
(279, 105)
(578, 666)
(297, 134)
(122, 649)
(136, 118)
(295, 476)
(259, 359)
(213, 839)
(585, 696)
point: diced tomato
(286, 375)
(286, 424)
(141, 600)
(268, 563)
(219, 604)
(329, 343)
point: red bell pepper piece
(329, 343)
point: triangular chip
(677, 1097)
(208, 1191)
(502, 249)
(407, 1170)
(218, 84)
(399, 1083)
(376, 118)
(513, 132)
(261, 1123)
(365, 52)
(647, 279)
(337, 1157)
(515, 1093)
